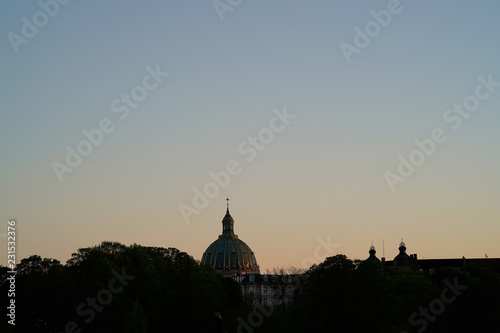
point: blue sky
(322, 175)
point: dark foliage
(115, 288)
(341, 295)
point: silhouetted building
(403, 259)
(429, 265)
(229, 255)
(372, 256)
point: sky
(329, 125)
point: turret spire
(402, 244)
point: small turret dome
(372, 256)
(402, 259)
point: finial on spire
(227, 203)
(402, 243)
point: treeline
(342, 295)
(116, 288)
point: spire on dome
(228, 224)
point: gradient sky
(322, 176)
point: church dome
(229, 255)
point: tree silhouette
(167, 290)
(120, 288)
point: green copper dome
(229, 255)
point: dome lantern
(228, 225)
